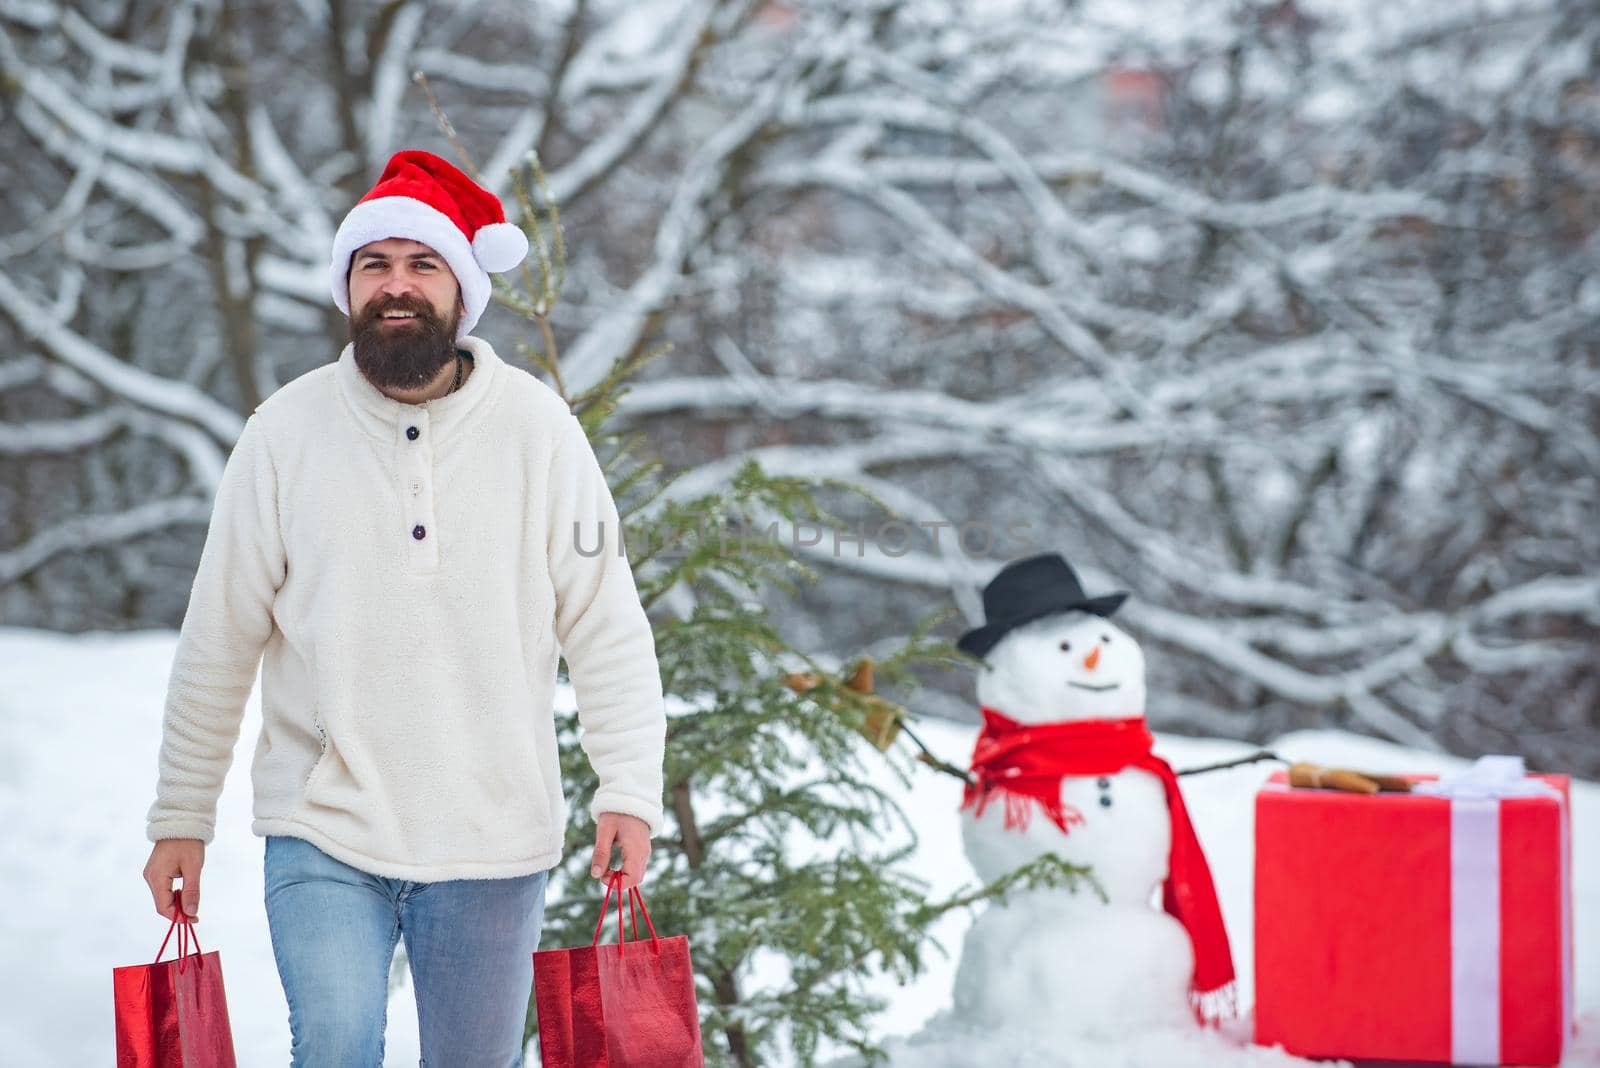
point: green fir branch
(1048, 872)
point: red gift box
(1414, 928)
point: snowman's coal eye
(1106, 638)
(1066, 647)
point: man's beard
(405, 355)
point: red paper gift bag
(628, 1005)
(173, 1014)
(1416, 927)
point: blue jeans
(470, 943)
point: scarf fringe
(1019, 813)
(1019, 807)
(1211, 1007)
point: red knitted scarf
(1025, 763)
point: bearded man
(395, 541)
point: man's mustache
(416, 307)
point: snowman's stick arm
(932, 761)
(948, 768)
(1259, 755)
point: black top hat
(1030, 589)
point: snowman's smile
(1096, 689)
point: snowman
(1064, 765)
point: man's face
(405, 306)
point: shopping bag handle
(186, 932)
(614, 882)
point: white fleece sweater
(404, 575)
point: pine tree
(782, 859)
(776, 862)
(757, 774)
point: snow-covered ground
(79, 725)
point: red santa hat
(424, 198)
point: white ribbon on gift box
(1475, 794)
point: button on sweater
(406, 576)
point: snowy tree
(1279, 314)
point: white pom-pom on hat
(499, 246)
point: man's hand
(176, 857)
(633, 835)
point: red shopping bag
(628, 1005)
(173, 1014)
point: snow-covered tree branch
(1281, 316)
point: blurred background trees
(1281, 315)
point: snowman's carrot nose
(1093, 659)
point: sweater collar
(379, 414)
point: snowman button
(1105, 800)
(1103, 782)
